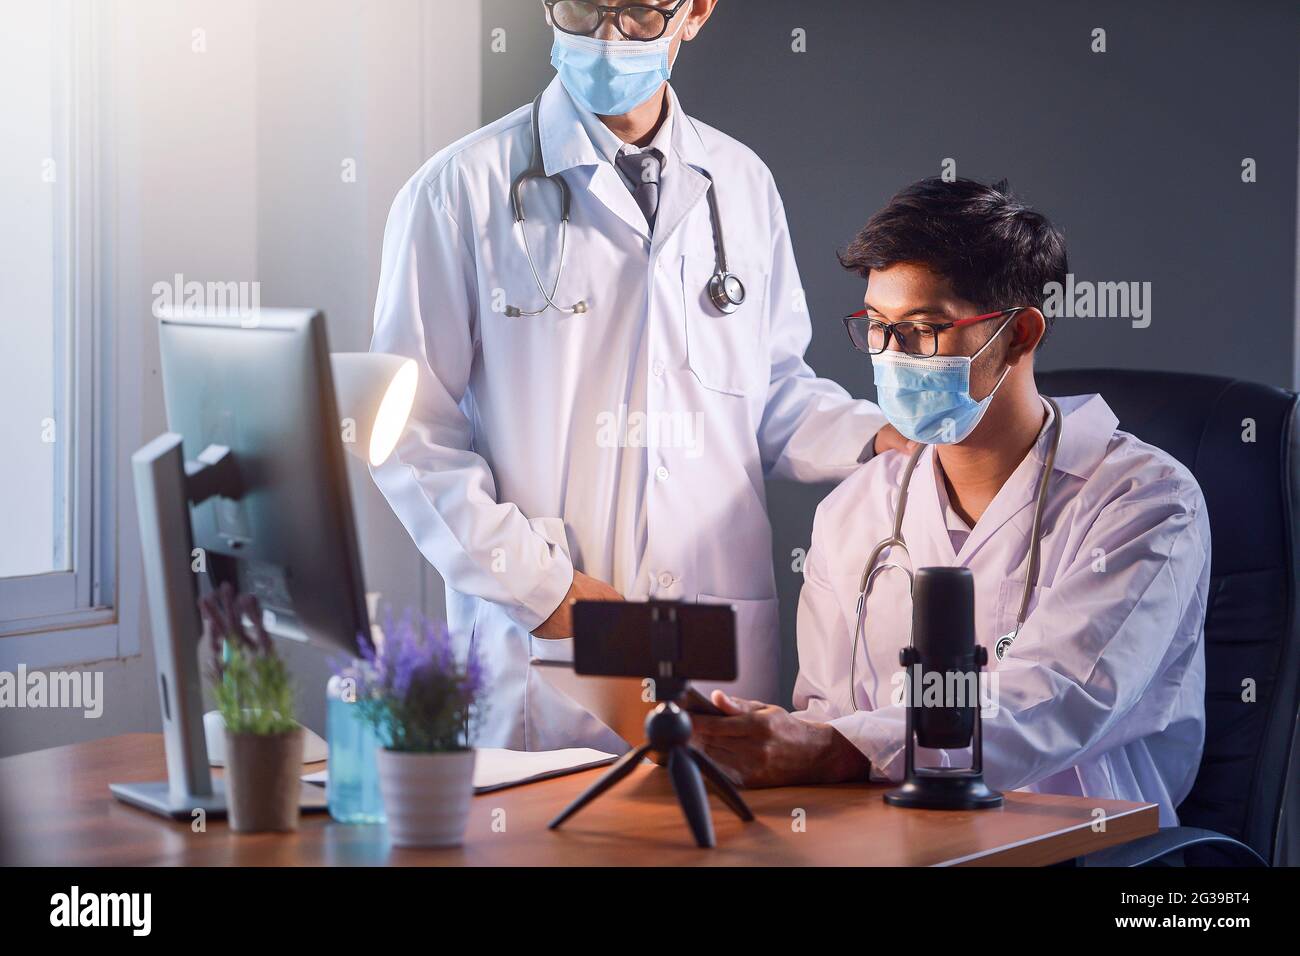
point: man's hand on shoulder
(890, 439)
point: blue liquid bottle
(353, 791)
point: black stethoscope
(725, 290)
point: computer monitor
(266, 393)
(248, 486)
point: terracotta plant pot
(262, 785)
(426, 796)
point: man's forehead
(909, 286)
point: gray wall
(1135, 153)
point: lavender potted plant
(255, 698)
(422, 701)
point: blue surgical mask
(928, 399)
(611, 77)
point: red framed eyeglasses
(914, 338)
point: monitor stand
(165, 487)
(156, 797)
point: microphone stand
(942, 788)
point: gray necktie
(642, 173)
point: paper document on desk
(496, 769)
(617, 702)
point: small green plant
(250, 682)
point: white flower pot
(426, 796)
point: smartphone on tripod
(668, 643)
(668, 640)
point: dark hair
(996, 251)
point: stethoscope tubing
(559, 272)
(717, 288)
(896, 540)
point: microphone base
(941, 789)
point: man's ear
(700, 11)
(1028, 330)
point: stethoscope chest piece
(726, 292)
(1004, 644)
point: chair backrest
(1239, 439)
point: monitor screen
(262, 387)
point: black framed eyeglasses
(914, 338)
(635, 21)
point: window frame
(80, 615)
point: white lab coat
(1102, 693)
(523, 459)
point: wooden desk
(57, 811)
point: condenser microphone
(942, 670)
(943, 636)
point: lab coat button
(661, 473)
(665, 580)
(658, 369)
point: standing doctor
(589, 423)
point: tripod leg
(625, 765)
(690, 794)
(722, 784)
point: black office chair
(1252, 625)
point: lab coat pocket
(758, 649)
(1027, 646)
(726, 352)
(551, 649)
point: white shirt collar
(951, 519)
(609, 146)
(567, 143)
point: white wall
(379, 87)
(227, 167)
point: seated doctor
(1097, 685)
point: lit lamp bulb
(374, 393)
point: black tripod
(668, 734)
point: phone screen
(636, 639)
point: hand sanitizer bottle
(353, 788)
